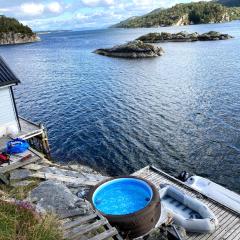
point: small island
(14, 32)
(183, 37)
(134, 49)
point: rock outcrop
(183, 37)
(55, 197)
(134, 49)
(17, 38)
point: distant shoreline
(54, 31)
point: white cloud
(36, 9)
(81, 17)
(54, 7)
(143, 2)
(32, 8)
(95, 3)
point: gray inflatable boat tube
(188, 212)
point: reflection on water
(179, 112)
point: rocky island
(183, 37)
(13, 32)
(134, 49)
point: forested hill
(184, 14)
(12, 25)
(14, 32)
(230, 3)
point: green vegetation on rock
(183, 14)
(12, 25)
(17, 222)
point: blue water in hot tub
(122, 196)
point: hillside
(183, 14)
(14, 32)
(230, 3)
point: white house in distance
(9, 119)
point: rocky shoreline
(67, 184)
(17, 38)
(134, 49)
(63, 196)
(183, 37)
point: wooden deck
(28, 130)
(229, 221)
(91, 227)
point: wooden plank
(105, 235)
(40, 155)
(108, 226)
(18, 164)
(79, 221)
(62, 178)
(235, 235)
(235, 227)
(228, 228)
(71, 213)
(77, 232)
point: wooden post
(45, 143)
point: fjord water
(179, 112)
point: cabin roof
(7, 77)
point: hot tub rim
(155, 197)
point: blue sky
(77, 14)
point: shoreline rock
(183, 37)
(17, 38)
(134, 49)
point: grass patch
(20, 192)
(18, 223)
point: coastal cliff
(17, 38)
(14, 32)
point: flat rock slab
(53, 197)
(20, 174)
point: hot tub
(131, 204)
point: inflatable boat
(215, 191)
(188, 212)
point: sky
(43, 15)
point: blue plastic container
(17, 145)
